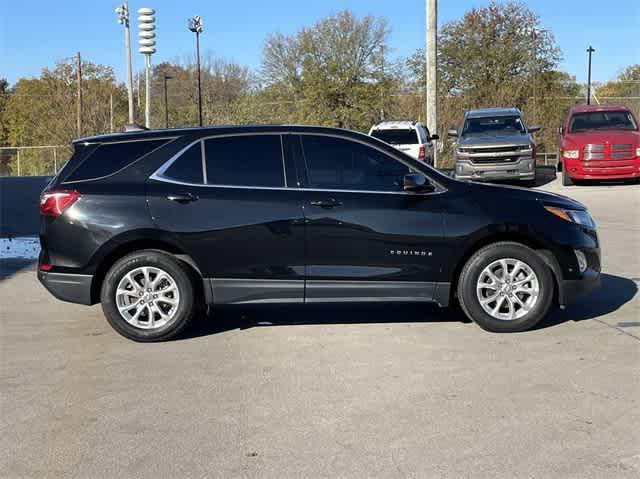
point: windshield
(602, 120)
(397, 136)
(493, 125)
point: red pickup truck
(599, 142)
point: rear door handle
(183, 198)
(330, 203)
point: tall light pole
(431, 54)
(195, 25)
(79, 95)
(123, 19)
(590, 50)
(166, 77)
(146, 27)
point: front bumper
(73, 288)
(523, 169)
(603, 169)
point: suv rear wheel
(148, 296)
(505, 287)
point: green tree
(498, 55)
(625, 89)
(42, 111)
(224, 85)
(332, 73)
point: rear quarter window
(109, 158)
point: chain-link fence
(42, 160)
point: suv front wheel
(148, 296)
(505, 287)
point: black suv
(157, 225)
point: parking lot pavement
(357, 391)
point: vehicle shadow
(611, 296)
(614, 293)
(11, 266)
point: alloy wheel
(147, 297)
(508, 289)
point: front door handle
(330, 203)
(183, 198)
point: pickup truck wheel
(505, 287)
(148, 296)
(566, 179)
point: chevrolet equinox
(160, 225)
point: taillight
(44, 267)
(422, 153)
(533, 151)
(53, 203)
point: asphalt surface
(358, 391)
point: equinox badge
(409, 252)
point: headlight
(638, 152)
(573, 216)
(571, 154)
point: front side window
(244, 160)
(336, 163)
(492, 125)
(602, 120)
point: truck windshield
(602, 120)
(397, 136)
(493, 125)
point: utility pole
(534, 70)
(123, 19)
(195, 25)
(590, 50)
(382, 80)
(431, 54)
(111, 112)
(146, 27)
(166, 102)
(79, 95)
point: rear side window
(398, 136)
(244, 161)
(335, 163)
(188, 166)
(111, 157)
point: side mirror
(452, 133)
(417, 183)
(560, 131)
(535, 128)
(434, 137)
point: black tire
(180, 274)
(566, 179)
(468, 296)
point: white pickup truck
(412, 137)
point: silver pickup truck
(495, 144)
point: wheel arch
(517, 237)
(108, 258)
